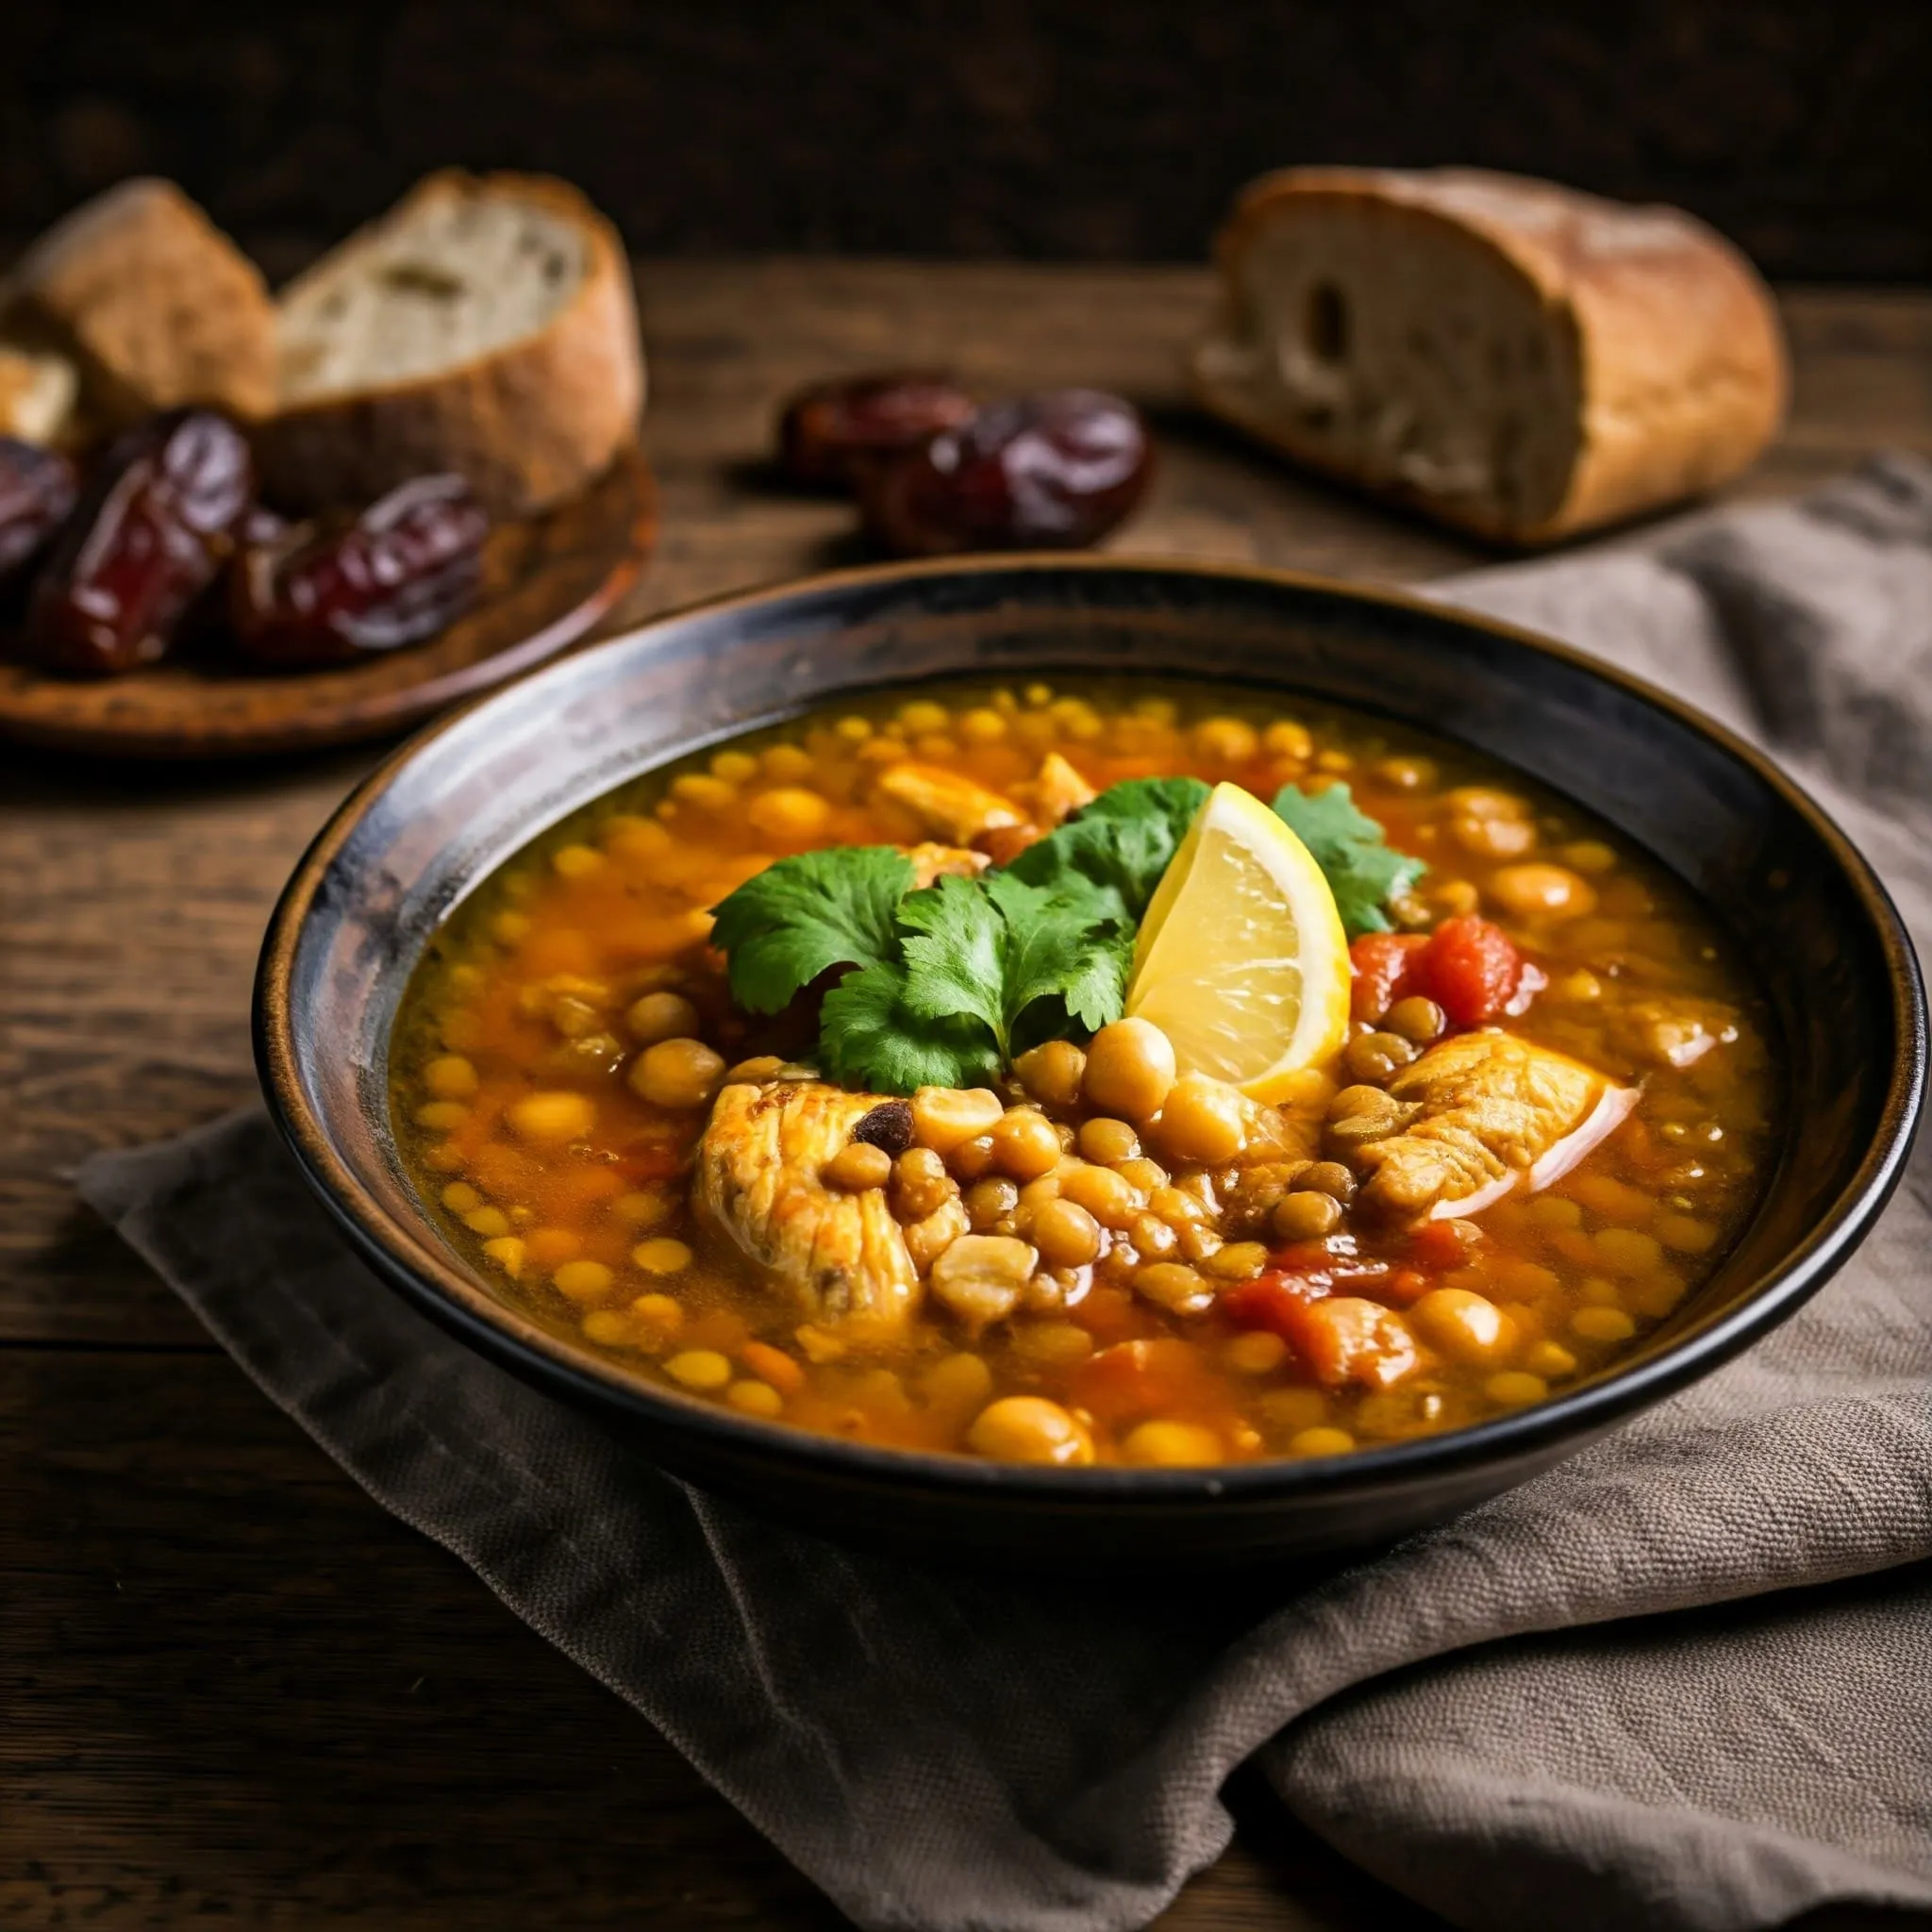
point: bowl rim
(427, 1278)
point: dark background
(1055, 128)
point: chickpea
(677, 1074)
(944, 1116)
(1226, 742)
(927, 1240)
(661, 1255)
(1466, 1326)
(989, 1202)
(754, 1398)
(1172, 1446)
(578, 861)
(442, 1115)
(450, 1077)
(979, 1276)
(1236, 1261)
(1542, 892)
(1153, 1238)
(508, 1253)
(1177, 1206)
(971, 1159)
(1321, 1440)
(1326, 1178)
(1306, 1217)
(1029, 1428)
(1589, 855)
(921, 1184)
(1406, 773)
(1259, 1352)
(1375, 1056)
(1110, 1200)
(1203, 1120)
(703, 1368)
(1601, 1324)
(460, 1197)
(492, 1221)
(1051, 1073)
(1285, 738)
(790, 815)
(1494, 838)
(583, 1281)
(1144, 1174)
(1025, 1145)
(1416, 1019)
(551, 1119)
(661, 1016)
(1174, 1286)
(957, 1382)
(856, 1168)
(1066, 1233)
(1130, 1069)
(1108, 1142)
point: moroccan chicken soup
(1135, 1076)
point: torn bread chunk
(1479, 1116)
(1512, 357)
(841, 1258)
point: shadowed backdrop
(1056, 128)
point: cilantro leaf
(868, 1037)
(1363, 870)
(994, 948)
(1119, 846)
(790, 923)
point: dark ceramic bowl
(438, 816)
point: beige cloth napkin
(1681, 1680)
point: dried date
(826, 431)
(37, 488)
(149, 537)
(346, 588)
(1055, 470)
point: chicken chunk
(948, 805)
(1479, 1115)
(1058, 791)
(841, 1258)
(932, 861)
(1674, 1031)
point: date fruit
(827, 431)
(347, 588)
(37, 488)
(1055, 471)
(150, 536)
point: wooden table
(233, 1688)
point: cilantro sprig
(1363, 869)
(945, 985)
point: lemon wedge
(1241, 959)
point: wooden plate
(546, 581)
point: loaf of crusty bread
(150, 302)
(1517, 359)
(484, 326)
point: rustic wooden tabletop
(236, 1690)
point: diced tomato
(1441, 1244)
(1383, 962)
(1470, 968)
(1160, 1377)
(1407, 1286)
(1344, 1338)
(1274, 1300)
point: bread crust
(1681, 368)
(528, 423)
(154, 305)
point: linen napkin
(1683, 1679)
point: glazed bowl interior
(435, 822)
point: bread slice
(37, 390)
(484, 326)
(1517, 359)
(155, 306)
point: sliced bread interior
(1513, 357)
(484, 326)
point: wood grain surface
(235, 1690)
